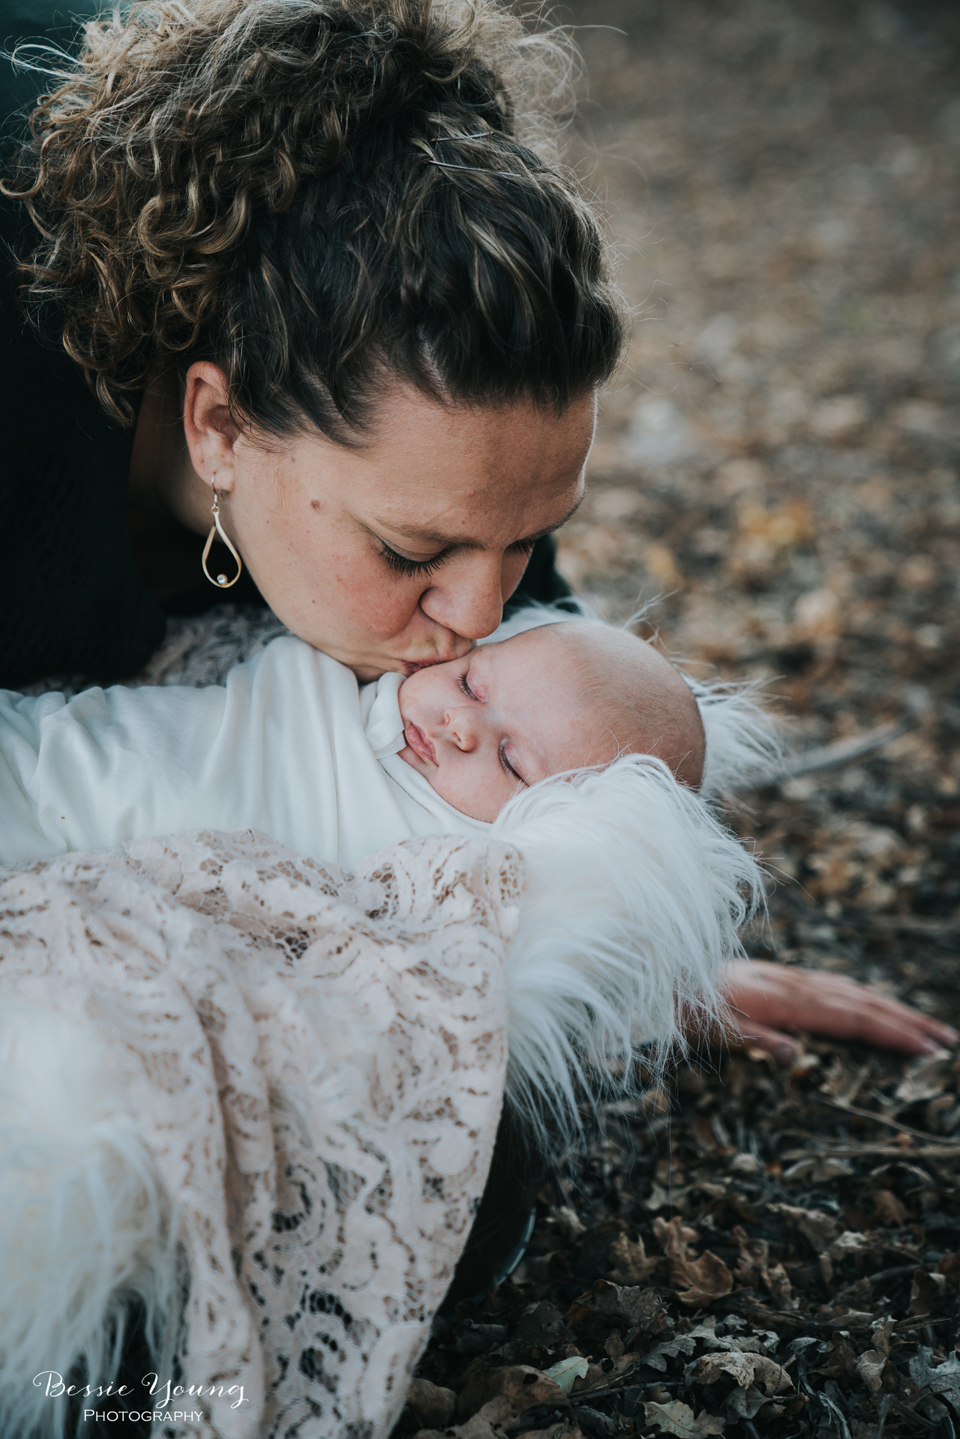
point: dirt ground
(761, 1252)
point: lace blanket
(315, 1064)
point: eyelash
(509, 769)
(411, 568)
(505, 764)
(414, 568)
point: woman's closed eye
(405, 566)
(421, 568)
(465, 686)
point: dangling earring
(221, 581)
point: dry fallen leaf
(637, 1309)
(942, 1380)
(819, 1228)
(520, 1384)
(926, 1291)
(697, 1281)
(746, 1368)
(677, 1418)
(870, 1368)
(890, 1207)
(434, 1405)
(926, 1078)
(567, 1372)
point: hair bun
(234, 180)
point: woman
(314, 277)
(310, 271)
(334, 307)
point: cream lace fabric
(316, 1065)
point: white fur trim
(85, 1224)
(634, 896)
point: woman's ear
(208, 426)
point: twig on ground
(841, 752)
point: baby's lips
(419, 743)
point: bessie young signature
(55, 1387)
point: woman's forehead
(432, 467)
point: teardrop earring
(221, 581)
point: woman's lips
(419, 743)
(410, 666)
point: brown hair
(311, 193)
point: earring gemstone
(221, 579)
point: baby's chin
(411, 758)
(429, 773)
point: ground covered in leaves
(780, 1253)
(762, 1252)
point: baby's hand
(767, 998)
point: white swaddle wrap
(289, 744)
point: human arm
(767, 999)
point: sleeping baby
(293, 746)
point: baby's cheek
(473, 790)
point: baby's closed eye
(508, 768)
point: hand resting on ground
(768, 998)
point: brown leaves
(926, 1292)
(697, 1281)
(889, 1207)
(520, 1386)
(870, 1366)
(765, 534)
(639, 1310)
(434, 1405)
(754, 1268)
(747, 1369)
(927, 1078)
(677, 1418)
(817, 1227)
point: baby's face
(481, 728)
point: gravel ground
(759, 1252)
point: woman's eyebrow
(434, 537)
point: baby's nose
(463, 725)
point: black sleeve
(541, 584)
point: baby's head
(560, 697)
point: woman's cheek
(377, 601)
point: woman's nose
(467, 595)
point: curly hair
(313, 194)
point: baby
(560, 697)
(291, 745)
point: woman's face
(401, 552)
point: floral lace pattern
(316, 1063)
